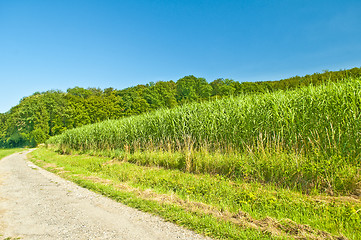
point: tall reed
(313, 120)
(307, 139)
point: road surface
(36, 204)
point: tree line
(42, 115)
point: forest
(42, 115)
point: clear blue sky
(60, 44)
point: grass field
(280, 165)
(7, 152)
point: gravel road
(36, 204)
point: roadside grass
(214, 205)
(306, 174)
(8, 151)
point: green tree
(191, 89)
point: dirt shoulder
(36, 204)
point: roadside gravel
(36, 204)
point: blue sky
(96, 43)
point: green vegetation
(279, 164)
(7, 152)
(259, 161)
(47, 114)
(212, 204)
(306, 139)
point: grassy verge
(213, 205)
(306, 174)
(9, 151)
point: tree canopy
(41, 115)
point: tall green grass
(306, 138)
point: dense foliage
(327, 117)
(42, 115)
(312, 135)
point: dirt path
(36, 204)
